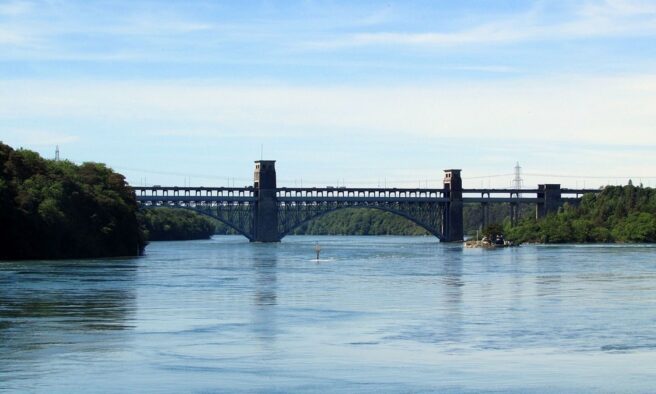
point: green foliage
(616, 214)
(637, 227)
(169, 224)
(360, 221)
(53, 209)
(493, 230)
(497, 213)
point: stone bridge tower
(550, 199)
(452, 219)
(265, 218)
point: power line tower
(57, 153)
(518, 182)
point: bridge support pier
(550, 200)
(453, 228)
(514, 213)
(485, 215)
(265, 218)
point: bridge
(266, 213)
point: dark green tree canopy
(616, 214)
(360, 221)
(493, 230)
(56, 209)
(170, 224)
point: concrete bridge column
(265, 209)
(485, 215)
(453, 221)
(514, 213)
(550, 199)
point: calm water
(389, 314)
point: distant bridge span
(266, 213)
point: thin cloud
(609, 19)
(40, 137)
(145, 33)
(46, 32)
(574, 109)
(163, 25)
(13, 37)
(14, 8)
(485, 68)
(612, 8)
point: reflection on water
(377, 314)
(52, 309)
(264, 312)
(452, 296)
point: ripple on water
(390, 314)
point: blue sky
(362, 93)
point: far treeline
(166, 224)
(360, 221)
(350, 221)
(170, 224)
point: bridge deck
(342, 195)
(196, 199)
(515, 200)
(315, 199)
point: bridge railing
(578, 192)
(189, 200)
(523, 195)
(173, 194)
(206, 193)
(357, 193)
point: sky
(355, 93)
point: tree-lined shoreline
(57, 209)
(617, 214)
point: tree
(53, 209)
(615, 214)
(493, 230)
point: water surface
(376, 314)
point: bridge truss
(237, 207)
(265, 213)
(423, 207)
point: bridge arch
(433, 231)
(204, 213)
